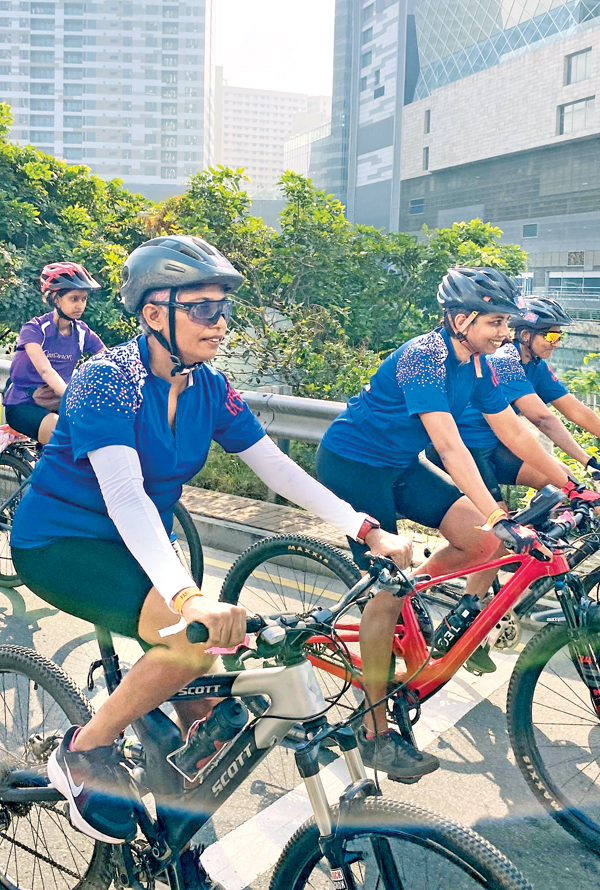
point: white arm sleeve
(119, 474)
(285, 477)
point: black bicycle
(364, 841)
(16, 466)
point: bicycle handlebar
(197, 632)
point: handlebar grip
(196, 632)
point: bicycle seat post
(110, 659)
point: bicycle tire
(192, 544)
(49, 701)
(13, 471)
(539, 740)
(261, 583)
(456, 856)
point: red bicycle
(554, 693)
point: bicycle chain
(41, 856)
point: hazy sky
(276, 44)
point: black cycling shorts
(419, 492)
(25, 418)
(99, 581)
(497, 465)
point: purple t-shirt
(62, 352)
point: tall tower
(124, 87)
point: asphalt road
(478, 783)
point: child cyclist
(48, 349)
(369, 457)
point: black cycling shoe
(98, 789)
(195, 876)
(389, 753)
(480, 662)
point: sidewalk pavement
(232, 523)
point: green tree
(52, 211)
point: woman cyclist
(48, 348)
(370, 457)
(91, 535)
(529, 385)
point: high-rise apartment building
(251, 127)
(124, 87)
(445, 110)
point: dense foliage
(323, 300)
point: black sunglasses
(206, 312)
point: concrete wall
(508, 108)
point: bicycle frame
(295, 696)
(409, 643)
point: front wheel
(38, 846)
(188, 543)
(293, 573)
(388, 844)
(555, 729)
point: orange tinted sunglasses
(552, 336)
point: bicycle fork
(579, 610)
(331, 837)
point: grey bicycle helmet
(479, 290)
(172, 262)
(541, 314)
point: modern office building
(446, 110)
(252, 126)
(124, 87)
(297, 150)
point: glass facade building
(457, 39)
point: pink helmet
(66, 276)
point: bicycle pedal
(480, 663)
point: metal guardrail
(291, 417)
(283, 417)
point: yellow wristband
(492, 519)
(182, 597)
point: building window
(368, 12)
(366, 59)
(575, 116)
(379, 92)
(363, 84)
(416, 205)
(426, 158)
(427, 123)
(168, 173)
(530, 230)
(576, 258)
(578, 66)
(367, 36)
(377, 77)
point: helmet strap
(531, 357)
(171, 344)
(460, 333)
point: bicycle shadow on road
(17, 623)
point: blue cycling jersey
(516, 380)
(381, 426)
(115, 399)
